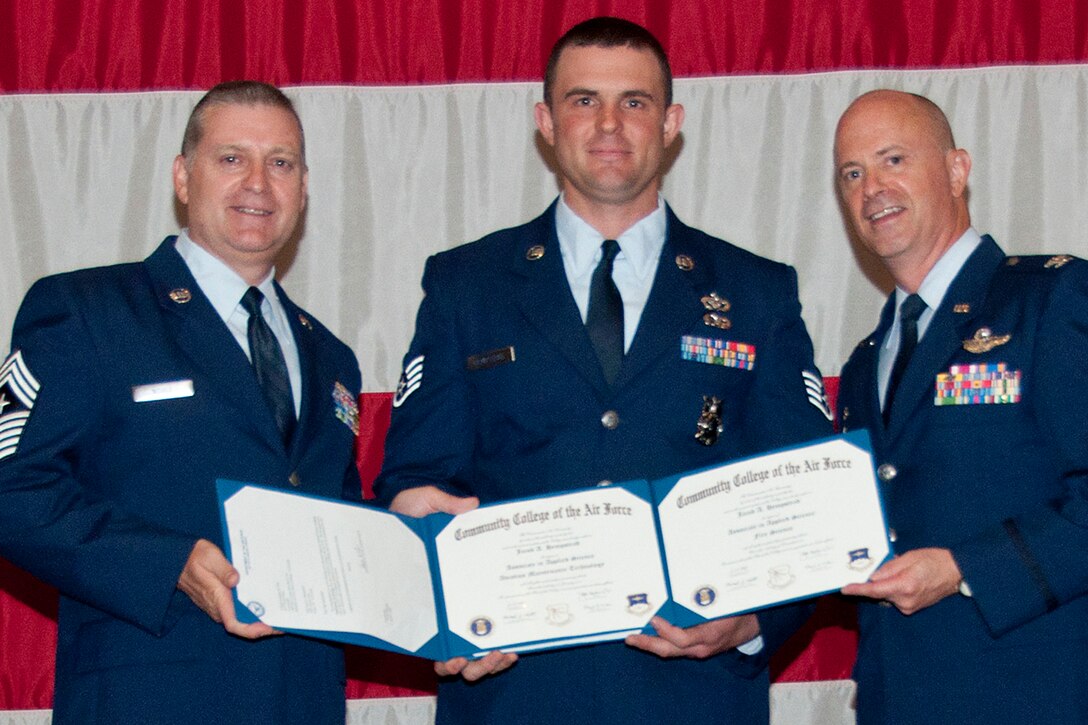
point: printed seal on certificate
(480, 626)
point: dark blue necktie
(909, 312)
(604, 318)
(269, 364)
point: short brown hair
(241, 93)
(607, 32)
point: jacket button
(293, 479)
(610, 419)
(886, 472)
(892, 535)
(604, 482)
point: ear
(544, 122)
(958, 163)
(181, 179)
(674, 119)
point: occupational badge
(717, 319)
(984, 340)
(410, 380)
(347, 407)
(1058, 261)
(961, 308)
(715, 302)
(18, 391)
(709, 425)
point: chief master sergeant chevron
(603, 341)
(128, 392)
(981, 432)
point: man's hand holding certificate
(567, 569)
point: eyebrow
(625, 94)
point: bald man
(972, 389)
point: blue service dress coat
(1002, 485)
(104, 496)
(504, 397)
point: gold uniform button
(886, 472)
(892, 535)
(603, 483)
(610, 419)
(294, 480)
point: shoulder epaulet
(1036, 262)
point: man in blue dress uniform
(129, 390)
(972, 389)
(559, 354)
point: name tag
(490, 359)
(166, 390)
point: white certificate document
(562, 569)
(317, 565)
(772, 529)
(570, 568)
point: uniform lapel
(945, 334)
(202, 336)
(315, 401)
(542, 292)
(674, 303)
(866, 389)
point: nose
(608, 120)
(256, 178)
(872, 183)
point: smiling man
(553, 356)
(130, 390)
(969, 389)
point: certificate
(771, 529)
(565, 569)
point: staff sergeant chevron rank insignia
(814, 389)
(18, 391)
(410, 380)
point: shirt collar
(580, 243)
(940, 278)
(220, 284)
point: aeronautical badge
(1058, 261)
(18, 391)
(638, 603)
(717, 319)
(709, 425)
(984, 341)
(859, 559)
(481, 626)
(704, 596)
(410, 380)
(814, 389)
(347, 407)
(961, 308)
